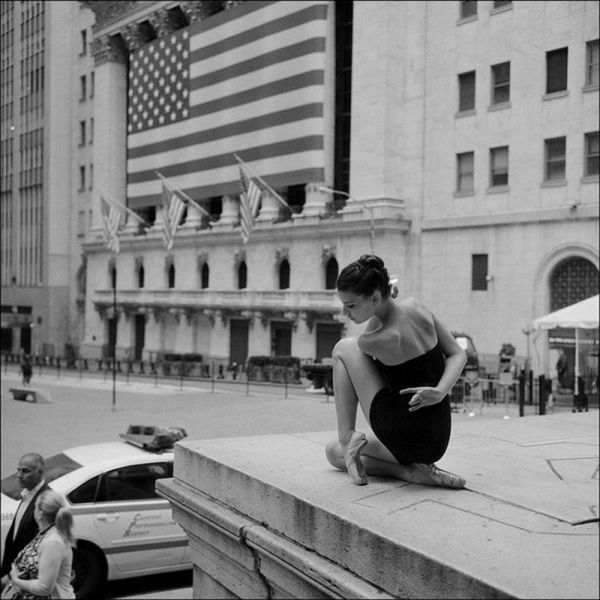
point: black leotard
(421, 436)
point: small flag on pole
(113, 217)
(250, 197)
(173, 208)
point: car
(123, 528)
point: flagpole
(256, 176)
(180, 191)
(129, 211)
(114, 348)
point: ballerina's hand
(423, 396)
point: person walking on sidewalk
(400, 371)
(26, 371)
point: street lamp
(323, 188)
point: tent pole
(576, 361)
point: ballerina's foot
(353, 461)
(440, 477)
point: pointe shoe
(440, 477)
(354, 465)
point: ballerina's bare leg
(356, 380)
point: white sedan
(123, 528)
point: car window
(86, 492)
(55, 466)
(135, 482)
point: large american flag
(250, 80)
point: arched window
(331, 273)
(242, 275)
(171, 276)
(204, 276)
(572, 280)
(284, 275)
(140, 276)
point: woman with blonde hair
(43, 568)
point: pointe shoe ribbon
(354, 465)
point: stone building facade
(463, 145)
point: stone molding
(109, 48)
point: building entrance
(281, 338)
(140, 334)
(238, 341)
(328, 335)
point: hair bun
(370, 261)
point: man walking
(24, 528)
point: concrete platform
(268, 517)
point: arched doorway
(573, 279)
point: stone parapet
(267, 517)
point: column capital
(200, 10)
(109, 48)
(162, 22)
(134, 36)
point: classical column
(110, 114)
(229, 212)
(315, 204)
(269, 209)
(193, 219)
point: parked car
(123, 528)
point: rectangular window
(556, 70)
(81, 178)
(501, 83)
(91, 177)
(591, 154)
(468, 8)
(91, 130)
(501, 3)
(591, 74)
(83, 41)
(555, 159)
(82, 87)
(464, 171)
(499, 166)
(92, 84)
(466, 91)
(82, 133)
(479, 272)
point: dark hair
(364, 276)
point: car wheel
(89, 571)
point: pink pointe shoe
(354, 465)
(440, 477)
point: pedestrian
(26, 371)
(30, 473)
(43, 569)
(400, 370)
(562, 366)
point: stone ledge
(275, 500)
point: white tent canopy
(581, 315)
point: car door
(135, 525)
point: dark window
(555, 159)
(242, 276)
(468, 8)
(82, 178)
(204, 276)
(331, 273)
(591, 154)
(82, 87)
(573, 280)
(556, 70)
(479, 272)
(140, 275)
(499, 166)
(132, 483)
(82, 129)
(501, 83)
(466, 91)
(591, 74)
(83, 41)
(113, 278)
(284, 275)
(500, 3)
(343, 92)
(86, 492)
(464, 171)
(171, 276)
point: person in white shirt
(30, 473)
(44, 566)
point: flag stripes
(267, 104)
(113, 217)
(173, 208)
(250, 197)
